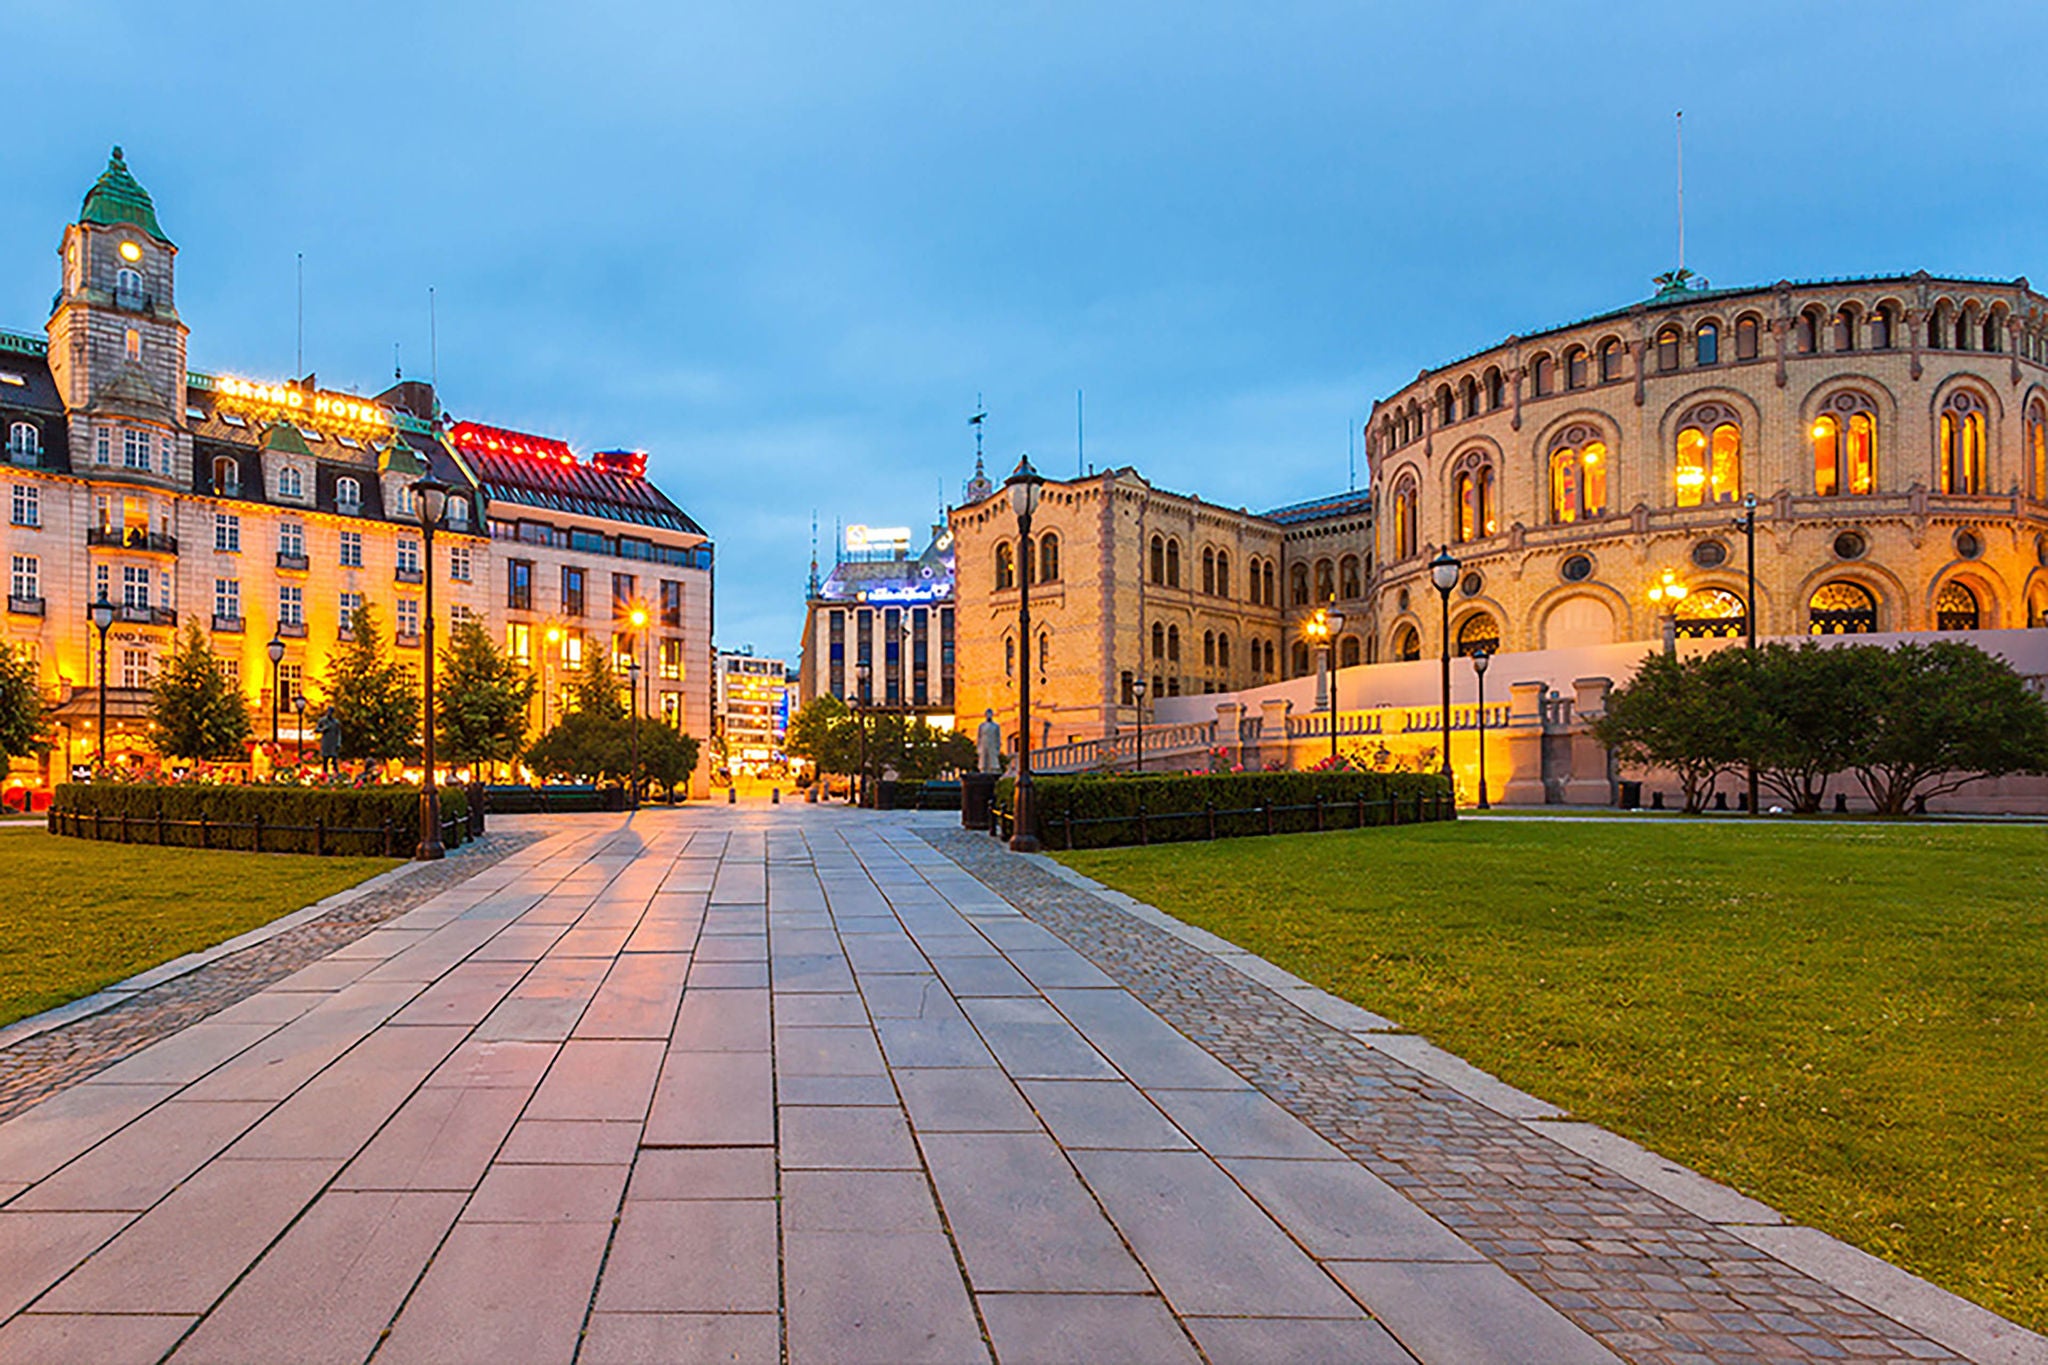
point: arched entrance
(1711, 614)
(1476, 632)
(1407, 644)
(1955, 607)
(1841, 608)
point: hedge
(332, 820)
(553, 799)
(1104, 811)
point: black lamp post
(1024, 484)
(299, 705)
(1323, 628)
(861, 672)
(275, 649)
(1480, 659)
(1746, 523)
(1138, 691)
(103, 621)
(633, 684)
(1443, 571)
(430, 500)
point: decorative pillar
(1592, 776)
(1229, 733)
(1524, 785)
(1273, 741)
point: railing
(292, 630)
(408, 639)
(227, 625)
(1397, 720)
(1418, 808)
(1118, 750)
(408, 576)
(297, 563)
(132, 615)
(24, 606)
(131, 538)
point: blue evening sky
(782, 247)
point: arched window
(1172, 563)
(1158, 640)
(1841, 608)
(1349, 585)
(1955, 608)
(1326, 581)
(1044, 653)
(1578, 475)
(1272, 659)
(1881, 328)
(1711, 614)
(1845, 446)
(1706, 344)
(1006, 567)
(1845, 330)
(1667, 350)
(1962, 443)
(1937, 327)
(1049, 557)
(1543, 376)
(1994, 332)
(1496, 390)
(127, 287)
(458, 512)
(1806, 332)
(1009, 656)
(1575, 368)
(1610, 360)
(2037, 449)
(1404, 519)
(1407, 644)
(1709, 455)
(1297, 580)
(227, 477)
(1159, 559)
(1222, 650)
(1300, 658)
(290, 483)
(1173, 644)
(1473, 488)
(348, 495)
(1266, 577)
(1223, 573)
(1446, 406)
(24, 442)
(1469, 393)
(1476, 632)
(1746, 330)
(1251, 573)
(1347, 652)
(1208, 649)
(1208, 571)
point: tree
(584, 746)
(597, 687)
(823, 732)
(21, 706)
(1809, 711)
(1679, 715)
(480, 706)
(198, 710)
(667, 756)
(370, 696)
(1945, 715)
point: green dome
(116, 197)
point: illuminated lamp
(130, 252)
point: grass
(76, 915)
(1845, 1021)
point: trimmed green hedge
(289, 816)
(1173, 807)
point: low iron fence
(1213, 822)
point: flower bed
(1101, 812)
(269, 818)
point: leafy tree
(370, 696)
(597, 688)
(198, 710)
(1681, 715)
(914, 749)
(1945, 715)
(584, 746)
(21, 706)
(1810, 710)
(824, 733)
(481, 701)
(667, 756)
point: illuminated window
(1049, 558)
(227, 477)
(1667, 350)
(1711, 614)
(1006, 568)
(1962, 443)
(2037, 449)
(672, 660)
(519, 643)
(1476, 632)
(1709, 456)
(1578, 476)
(1955, 608)
(1746, 330)
(133, 343)
(1841, 608)
(1473, 488)
(1404, 519)
(1845, 447)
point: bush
(553, 799)
(289, 815)
(1176, 806)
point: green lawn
(77, 915)
(1845, 1021)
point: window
(1578, 475)
(1706, 344)
(1667, 350)
(101, 445)
(1173, 644)
(1404, 519)
(227, 599)
(2037, 449)
(1271, 666)
(519, 641)
(351, 549)
(1496, 390)
(459, 563)
(26, 581)
(227, 477)
(227, 533)
(1476, 632)
(1158, 640)
(348, 496)
(1297, 585)
(1473, 488)
(291, 680)
(1222, 650)
(134, 586)
(291, 540)
(409, 556)
(1962, 443)
(1223, 573)
(672, 660)
(1347, 652)
(408, 613)
(1955, 608)
(1446, 406)
(1349, 585)
(1845, 447)
(351, 603)
(572, 590)
(1806, 332)
(457, 513)
(1881, 328)
(1746, 338)
(24, 442)
(519, 584)
(1610, 361)
(1841, 608)
(1711, 614)
(1266, 581)
(135, 668)
(127, 288)
(1542, 376)
(1326, 581)
(1575, 368)
(1172, 563)
(1845, 330)
(1159, 559)
(1709, 455)
(408, 505)
(1006, 567)
(1010, 655)
(1049, 558)
(290, 483)
(134, 448)
(623, 593)
(291, 605)
(1208, 571)
(1208, 649)
(26, 505)
(671, 604)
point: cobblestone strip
(1653, 1282)
(41, 1065)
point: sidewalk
(734, 1082)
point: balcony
(131, 538)
(227, 625)
(408, 639)
(127, 613)
(408, 576)
(292, 630)
(24, 606)
(296, 563)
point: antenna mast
(433, 349)
(300, 365)
(1681, 192)
(1080, 443)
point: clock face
(130, 252)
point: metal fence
(391, 838)
(1169, 826)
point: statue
(988, 743)
(330, 741)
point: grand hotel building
(272, 511)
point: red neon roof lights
(499, 441)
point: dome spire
(117, 197)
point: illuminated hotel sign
(315, 407)
(862, 539)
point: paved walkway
(814, 1085)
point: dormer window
(128, 288)
(227, 477)
(458, 512)
(405, 502)
(348, 496)
(24, 442)
(290, 483)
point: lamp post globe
(102, 621)
(1025, 485)
(1480, 659)
(275, 651)
(1443, 571)
(430, 502)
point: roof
(540, 471)
(117, 197)
(1348, 503)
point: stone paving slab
(811, 1085)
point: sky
(784, 247)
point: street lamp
(103, 621)
(553, 645)
(861, 672)
(1138, 691)
(1322, 628)
(275, 649)
(299, 705)
(1746, 523)
(430, 500)
(1667, 593)
(634, 672)
(1480, 659)
(1024, 484)
(1443, 571)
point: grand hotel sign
(339, 412)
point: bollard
(775, 796)
(732, 796)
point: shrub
(1177, 806)
(289, 815)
